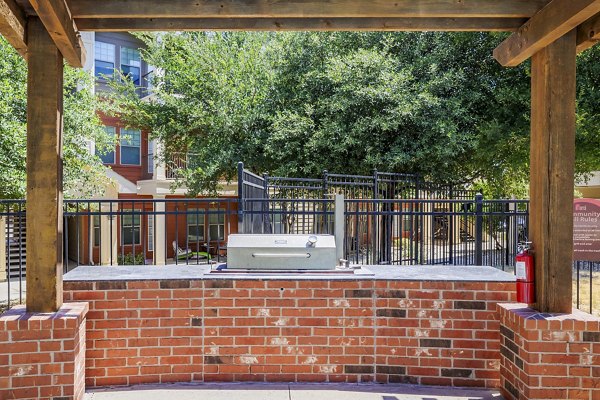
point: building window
(104, 60)
(130, 228)
(150, 157)
(150, 232)
(216, 225)
(108, 157)
(96, 232)
(131, 64)
(130, 146)
(195, 225)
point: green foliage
(293, 104)
(129, 259)
(83, 172)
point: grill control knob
(312, 240)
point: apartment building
(138, 174)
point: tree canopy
(83, 172)
(294, 104)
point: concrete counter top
(369, 272)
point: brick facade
(549, 356)
(42, 355)
(436, 332)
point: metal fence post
(451, 226)
(240, 168)
(419, 248)
(3, 252)
(478, 229)
(325, 183)
(339, 227)
(266, 223)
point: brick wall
(443, 333)
(549, 356)
(42, 355)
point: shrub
(129, 259)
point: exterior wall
(43, 355)
(132, 173)
(158, 331)
(549, 356)
(175, 228)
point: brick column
(548, 356)
(42, 355)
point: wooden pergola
(551, 32)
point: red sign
(586, 230)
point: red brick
(143, 285)
(121, 294)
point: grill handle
(280, 255)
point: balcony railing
(178, 162)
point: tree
(293, 104)
(83, 172)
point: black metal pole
(478, 229)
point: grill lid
(301, 252)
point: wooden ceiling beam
(550, 23)
(304, 8)
(56, 17)
(13, 25)
(299, 24)
(588, 33)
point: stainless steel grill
(281, 252)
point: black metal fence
(449, 232)
(380, 185)
(194, 231)
(121, 232)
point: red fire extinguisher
(525, 274)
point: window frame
(96, 230)
(150, 153)
(134, 214)
(218, 213)
(198, 219)
(125, 132)
(131, 65)
(114, 150)
(119, 40)
(96, 59)
(150, 234)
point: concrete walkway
(14, 290)
(233, 391)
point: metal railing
(177, 163)
(449, 232)
(121, 232)
(377, 231)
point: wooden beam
(549, 24)
(44, 171)
(56, 17)
(299, 24)
(588, 33)
(304, 8)
(13, 25)
(552, 172)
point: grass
(584, 293)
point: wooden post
(44, 171)
(553, 73)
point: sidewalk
(14, 290)
(260, 391)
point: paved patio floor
(235, 391)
